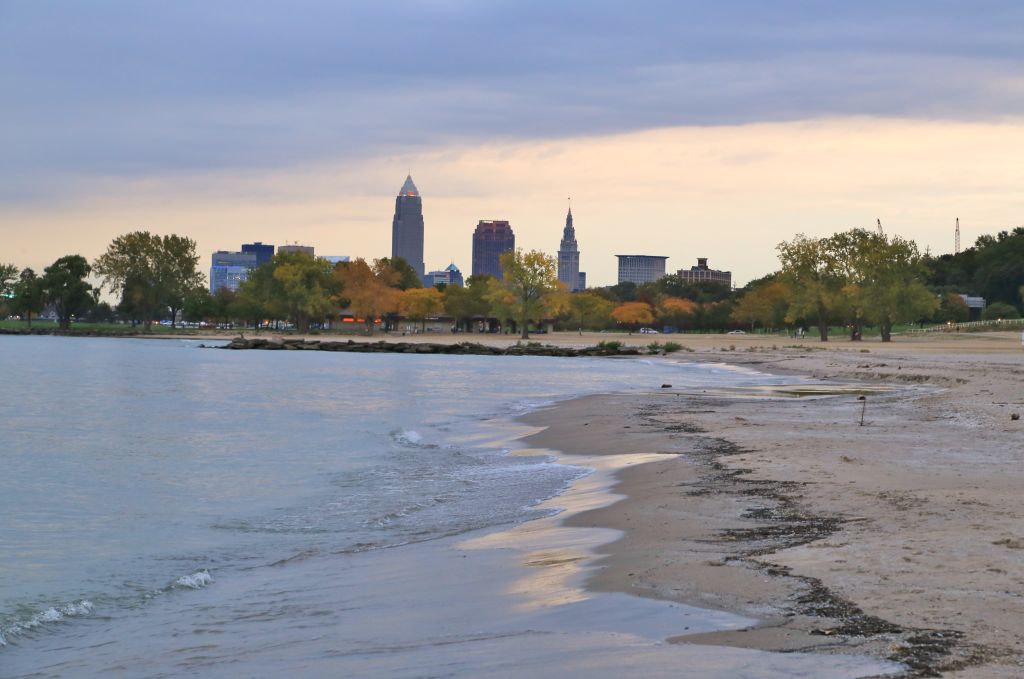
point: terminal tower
(569, 257)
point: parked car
(648, 331)
(737, 332)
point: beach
(900, 537)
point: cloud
(127, 89)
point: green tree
(469, 302)
(809, 275)
(307, 287)
(64, 286)
(178, 272)
(590, 309)
(999, 310)
(952, 309)
(529, 277)
(29, 296)
(130, 267)
(892, 290)
(198, 306)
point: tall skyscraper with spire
(569, 256)
(407, 227)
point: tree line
(854, 279)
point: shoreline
(780, 509)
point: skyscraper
(230, 269)
(491, 239)
(641, 268)
(264, 252)
(569, 256)
(407, 227)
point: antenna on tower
(880, 232)
(956, 239)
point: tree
(366, 294)
(815, 288)
(398, 271)
(999, 310)
(892, 287)
(307, 287)
(152, 273)
(529, 277)
(633, 314)
(419, 304)
(765, 304)
(29, 296)
(591, 308)
(64, 286)
(464, 304)
(674, 310)
(178, 272)
(952, 309)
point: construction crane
(956, 239)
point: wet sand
(901, 538)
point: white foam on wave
(197, 580)
(407, 436)
(49, 615)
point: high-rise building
(569, 256)
(308, 249)
(491, 240)
(407, 227)
(264, 252)
(702, 274)
(581, 281)
(641, 268)
(450, 275)
(229, 269)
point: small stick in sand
(864, 407)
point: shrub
(672, 347)
(997, 310)
(609, 345)
(654, 348)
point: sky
(684, 129)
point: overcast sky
(116, 112)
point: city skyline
(693, 128)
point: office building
(640, 268)
(450, 275)
(702, 274)
(308, 249)
(229, 269)
(491, 239)
(264, 252)
(407, 227)
(581, 281)
(569, 256)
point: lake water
(176, 511)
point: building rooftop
(408, 188)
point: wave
(197, 580)
(410, 438)
(53, 614)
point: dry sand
(902, 537)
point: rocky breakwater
(462, 348)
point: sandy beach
(901, 537)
